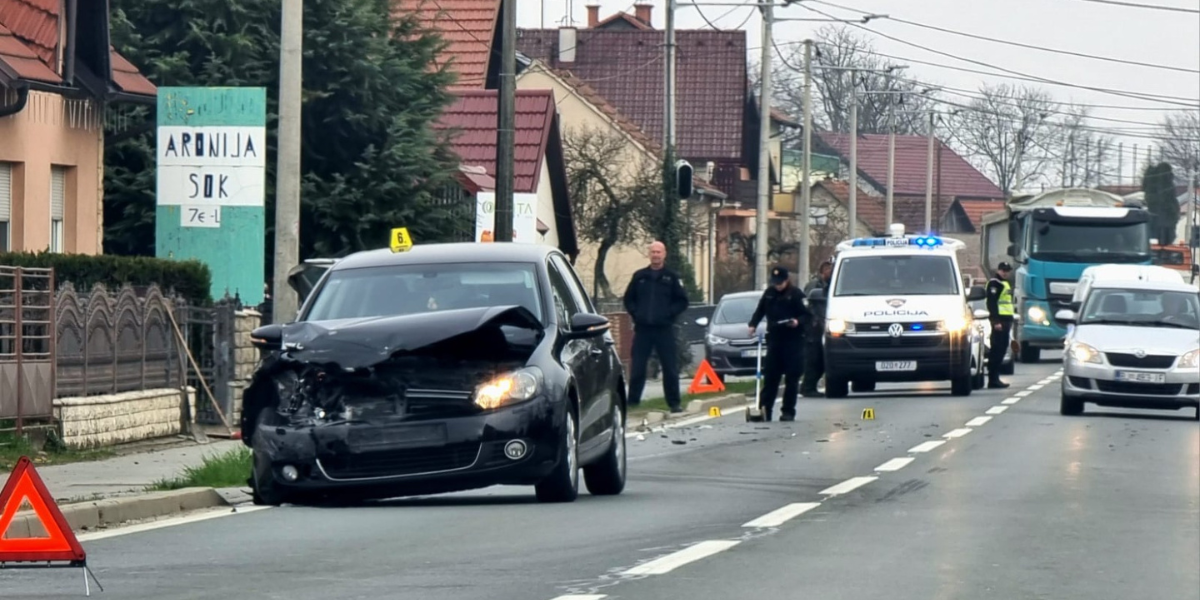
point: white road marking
(581, 597)
(172, 522)
(927, 446)
(780, 516)
(895, 464)
(848, 485)
(670, 562)
(1046, 381)
(1024, 393)
(977, 421)
(957, 433)
(1034, 388)
(1013, 400)
(995, 410)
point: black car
(444, 368)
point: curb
(112, 512)
(693, 409)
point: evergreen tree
(1158, 185)
(370, 158)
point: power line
(1020, 44)
(1147, 6)
(1017, 74)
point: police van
(896, 311)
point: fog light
(290, 473)
(515, 449)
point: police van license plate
(1141, 377)
(896, 365)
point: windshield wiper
(1112, 322)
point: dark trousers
(814, 364)
(784, 361)
(1000, 341)
(662, 341)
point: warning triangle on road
(706, 380)
(24, 485)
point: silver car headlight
(509, 388)
(1084, 353)
(716, 340)
(1191, 360)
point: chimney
(593, 15)
(643, 12)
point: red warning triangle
(706, 374)
(24, 484)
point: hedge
(190, 279)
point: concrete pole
(852, 224)
(761, 235)
(669, 107)
(806, 189)
(929, 178)
(285, 303)
(891, 176)
(506, 118)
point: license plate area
(754, 353)
(1141, 377)
(368, 438)
(886, 366)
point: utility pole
(506, 118)
(891, 176)
(761, 236)
(285, 304)
(929, 177)
(1120, 163)
(806, 189)
(852, 224)
(669, 86)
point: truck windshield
(1090, 242)
(910, 275)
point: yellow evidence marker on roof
(401, 241)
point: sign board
(524, 218)
(211, 153)
(401, 241)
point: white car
(897, 312)
(1135, 344)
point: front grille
(1151, 361)
(923, 341)
(883, 327)
(438, 404)
(1080, 382)
(1149, 389)
(412, 461)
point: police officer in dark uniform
(654, 299)
(1000, 311)
(814, 355)
(787, 317)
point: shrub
(190, 279)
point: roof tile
(467, 26)
(976, 209)
(958, 177)
(23, 60)
(474, 114)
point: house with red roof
(58, 73)
(470, 29)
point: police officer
(814, 356)
(1000, 310)
(654, 299)
(787, 317)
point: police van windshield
(910, 275)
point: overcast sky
(1086, 27)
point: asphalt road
(1024, 504)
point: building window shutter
(5, 192)
(58, 193)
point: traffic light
(683, 179)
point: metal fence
(27, 325)
(209, 331)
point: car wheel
(264, 490)
(961, 385)
(606, 477)
(979, 379)
(1069, 406)
(836, 387)
(562, 484)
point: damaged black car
(444, 368)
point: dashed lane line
(957, 433)
(847, 486)
(1034, 388)
(895, 464)
(927, 446)
(995, 410)
(670, 562)
(1013, 400)
(1023, 393)
(170, 522)
(977, 421)
(581, 597)
(782, 515)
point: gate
(209, 331)
(27, 340)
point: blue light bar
(927, 241)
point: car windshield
(911, 275)
(1090, 242)
(1143, 308)
(413, 289)
(735, 310)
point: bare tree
(1006, 134)
(1082, 156)
(1180, 135)
(613, 190)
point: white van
(896, 311)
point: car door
(581, 356)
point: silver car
(1134, 344)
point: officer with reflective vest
(1000, 311)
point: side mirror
(982, 314)
(1011, 250)
(976, 293)
(585, 325)
(268, 337)
(1075, 306)
(817, 295)
(702, 321)
(1066, 316)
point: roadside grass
(230, 469)
(52, 452)
(649, 405)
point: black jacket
(816, 324)
(779, 306)
(655, 298)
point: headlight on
(837, 327)
(1191, 360)
(716, 340)
(509, 389)
(1037, 314)
(953, 324)
(1084, 353)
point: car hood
(731, 331)
(891, 309)
(1129, 339)
(362, 343)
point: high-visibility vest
(1005, 302)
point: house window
(58, 202)
(5, 207)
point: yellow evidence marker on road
(868, 414)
